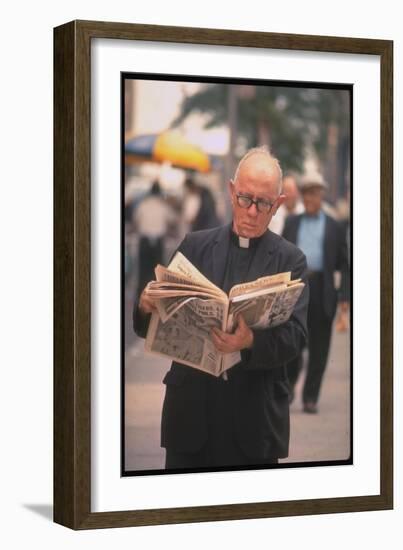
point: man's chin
(249, 232)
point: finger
(241, 322)
(217, 338)
(148, 286)
(218, 344)
(222, 348)
(149, 308)
(243, 334)
(226, 338)
(221, 343)
(240, 329)
(147, 304)
(219, 333)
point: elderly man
(210, 422)
(323, 241)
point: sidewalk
(326, 435)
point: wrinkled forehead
(259, 173)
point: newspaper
(189, 306)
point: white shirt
(152, 216)
(278, 220)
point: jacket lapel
(220, 254)
(294, 227)
(263, 256)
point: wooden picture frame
(72, 274)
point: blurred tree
(332, 138)
(271, 115)
(287, 119)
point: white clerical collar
(243, 242)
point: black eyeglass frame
(267, 205)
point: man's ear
(278, 203)
(231, 188)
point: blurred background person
(323, 241)
(291, 206)
(199, 206)
(152, 218)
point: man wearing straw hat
(323, 241)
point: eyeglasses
(262, 205)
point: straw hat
(309, 181)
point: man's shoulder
(197, 244)
(286, 247)
(286, 256)
(207, 235)
(292, 220)
(335, 225)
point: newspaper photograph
(284, 305)
(185, 335)
(166, 307)
(255, 311)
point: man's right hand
(147, 303)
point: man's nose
(252, 210)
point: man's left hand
(342, 321)
(242, 338)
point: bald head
(258, 164)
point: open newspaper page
(185, 335)
(284, 305)
(166, 307)
(166, 276)
(181, 265)
(173, 290)
(266, 307)
(267, 282)
(168, 303)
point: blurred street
(314, 437)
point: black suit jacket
(258, 388)
(334, 259)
